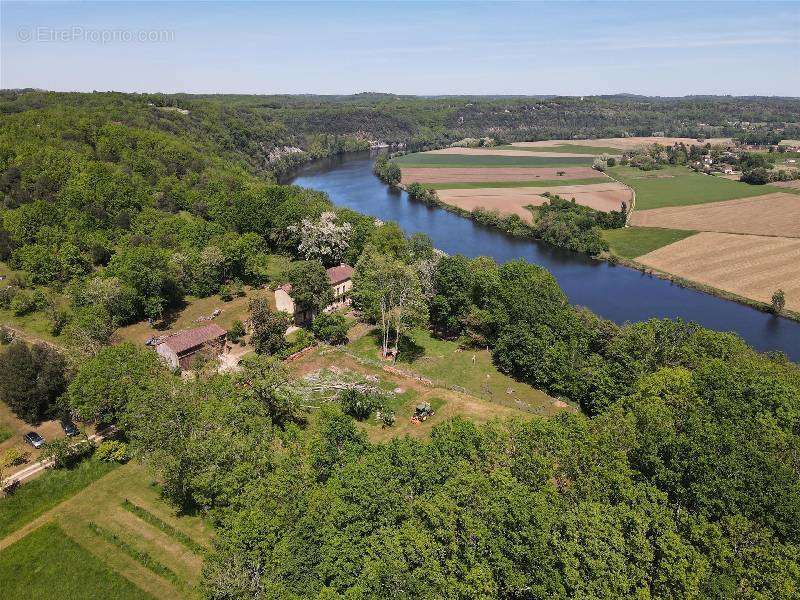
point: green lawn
(441, 361)
(479, 160)
(680, 186)
(48, 564)
(513, 184)
(46, 491)
(569, 148)
(631, 242)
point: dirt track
(747, 265)
(471, 174)
(772, 214)
(603, 196)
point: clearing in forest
(771, 214)
(747, 265)
(603, 196)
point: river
(614, 292)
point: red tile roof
(339, 274)
(184, 340)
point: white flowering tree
(323, 240)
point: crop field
(679, 186)
(563, 148)
(631, 242)
(116, 537)
(510, 151)
(512, 184)
(747, 265)
(481, 161)
(470, 175)
(621, 144)
(775, 214)
(789, 185)
(603, 196)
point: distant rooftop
(189, 338)
(340, 273)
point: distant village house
(340, 278)
(180, 349)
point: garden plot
(771, 214)
(750, 266)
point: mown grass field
(680, 186)
(631, 242)
(466, 160)
(49, 564)
(120, 523)
(39, 495)
(566, 148)
(513, 184)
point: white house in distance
(341, 279)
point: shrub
(236, 332)
(112, 451)
(778, 302)
(330, 327)
(23, 303)
(358, 404)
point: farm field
(563, 147)
(122, 530)
(679, 186)
(776, 214)
(790, 185)
(512, 184)
(624, 143)
(750, 266)
(509, 151)
(428, 159)
(470, 175)
(631, 242)
(604, 197)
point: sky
(424, 48)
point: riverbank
(624, 294)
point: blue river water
(614, 292)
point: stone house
(340, 278)
(180, 349)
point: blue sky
(572, 48)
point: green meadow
(680, 186)
(631, 242)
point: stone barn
(180, 349)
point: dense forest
(679, 477)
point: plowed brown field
(602, 196)
(747, 265)
(469, 175)
(771, 214)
